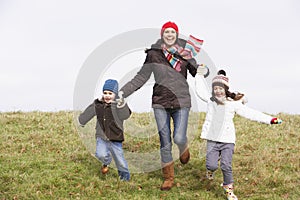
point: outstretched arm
(255, 115)
(138, 81)
(87, 115)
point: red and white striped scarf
(191, 49)
(169, 54)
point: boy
(109, 128)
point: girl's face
(108, 96)
(219, 92)
(169, 36)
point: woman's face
(108, 96)
(169, 36)
(219, 91)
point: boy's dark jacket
(110, 119)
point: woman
(169, 59)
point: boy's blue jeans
(180, 121)
(106, 150)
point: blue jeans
(106, 150)
(180, 121)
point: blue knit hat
(111, 85)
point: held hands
(276, 121)
(203, 70)
(120, 101)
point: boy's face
(108, 96)
(169, 36)
(219, 91)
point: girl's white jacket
(219, 126)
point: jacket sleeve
(87, 115)
(192, 67)
(124, 112)
(252, 114)
(139, 80)
(202, 89)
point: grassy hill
(46, 156)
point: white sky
(44, 43)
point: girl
(218, 129)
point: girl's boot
(229, 192)
(209, 175)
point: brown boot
(185, 156)
(104, 169)
(168, 174)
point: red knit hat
(169, 25)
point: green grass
(45, 156)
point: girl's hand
(276, 121)
(203, 70)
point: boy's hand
(120, 94)
(120, 101)
(81, 125)
(276, 121)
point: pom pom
(221, 72)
